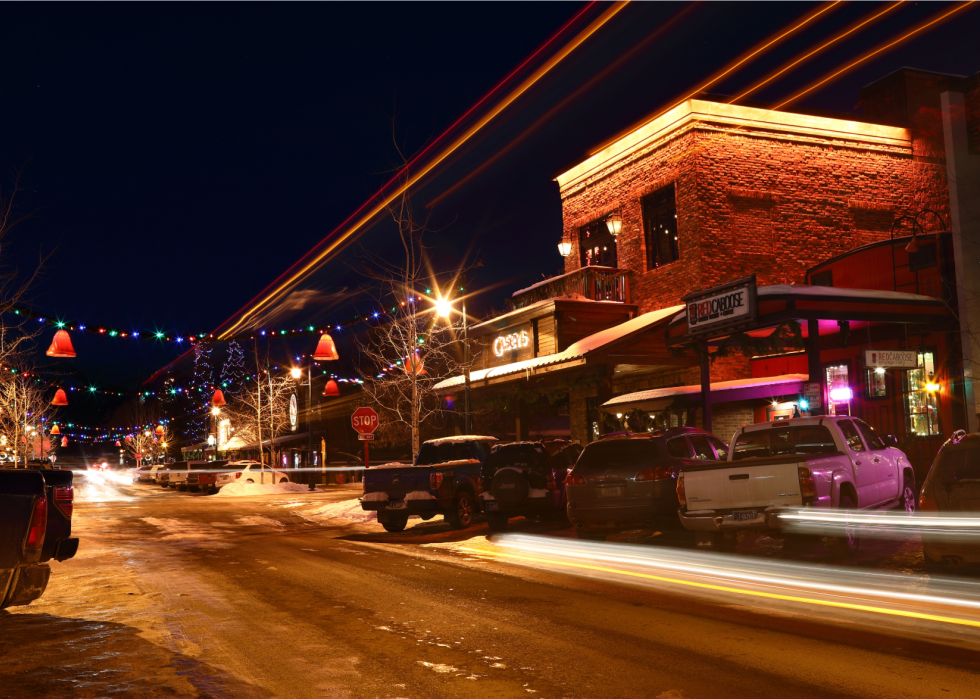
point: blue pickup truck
(444, 480)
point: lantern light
(565, 246)
(55, 429)
(331, 389)
(218, 399)
(61, 345)
(326, 350)
(59, 397)
(932, 387)
(296, 372)
(913, 246)
(615, 224)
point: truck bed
(755, 483)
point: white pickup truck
(775, 467)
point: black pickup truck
(35, 526)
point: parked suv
(525, 479)
(952, 488)
(631, 479)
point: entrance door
(865, 470)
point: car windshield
(783, 441)
(523, 456)
(621, 453)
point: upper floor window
(598, 244)
(660, 227)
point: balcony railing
(593, 283)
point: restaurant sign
(513, 344)
(720, 307)
(891, 359)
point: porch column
(813, 366)
(705, 386)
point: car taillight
(479, 485)
(574, 479)
(657, 473)
(927, 503)
(435, 480)
(238, 475)
(64, 500)
(39, 523)
(680, 492)
(808, 488)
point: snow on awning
(576, 351)
(657, 399)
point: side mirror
(891, 440)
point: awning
(657, 399)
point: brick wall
(753, 201)
(728, 417)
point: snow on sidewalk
(345, 509)
(237, 490)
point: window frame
(650, 208)
(868, 372)
(603, 237)
(934, 399)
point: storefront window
(598, 245)
(876, 382)
(660, 227)
(921, 405)
(839, 391)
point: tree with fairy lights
(233, 371)
(202, 389)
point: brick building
(710, 192)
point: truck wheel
(847, 544)
(395, 525)
(496, 521)
(461, 516)
(908, 497)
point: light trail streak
(424, 169)
(717, 77)
(871, 54)
(827, 44)
(799, 583)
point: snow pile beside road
(345, 509)
(237, 490)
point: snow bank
(419, 495)
(375, 497)
(345, 509)
(237, 490)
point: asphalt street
(300, 595)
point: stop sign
(364, 420)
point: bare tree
(27, 420)
(145, 441)
(262, 410)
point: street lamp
(444, 308)
(297, 374)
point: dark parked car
(526, 479)
(952, 488)
(631, 479)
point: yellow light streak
(814, 52)
(717, 77)
(872, 54)
(738, 591)
(424, 170)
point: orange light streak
(724, 73)
(425, 169)
(814, 52)
(872, 54)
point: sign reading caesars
(364, 420)
(511, 341)
(723, 305)
(891, 359)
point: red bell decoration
(331, 389)
(64, 441)
(156, 441)
(55, 429)
(326, 350)
(59, 397)
(218, 399)
(159, 429)
(118, 443)
(61, 345)
(414, 365)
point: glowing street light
(296, 372)
(444, 308)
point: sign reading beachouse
(721, 307)
(891, 359)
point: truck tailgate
(749, 483)
(397, 480)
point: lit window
(660, 227)
(876, 382)
(598, 245)
(921, 405)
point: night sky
(180, 157)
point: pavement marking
(739, 591)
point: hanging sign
(514, 339)
(721, 307)
(813, 394)
(891, 359)
(293, 413)
(366, 437)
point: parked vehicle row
(208, 476)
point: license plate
(744, 516)
(616, 492)
(400, 505)
(491, 506)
